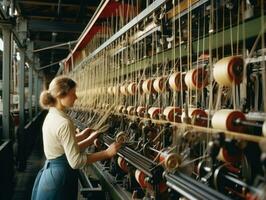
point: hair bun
(46, 99)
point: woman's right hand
(88, 131)
(112, 149)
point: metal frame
(252, 28)
(108, 182)
(145, 13)
(195, 5)
(7, 39)
(21, 92)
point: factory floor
(24, 180)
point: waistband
(59, 161)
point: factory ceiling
(51, 23)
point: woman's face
(69, 99)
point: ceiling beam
(81, 11)
(41, 3)
(53, 26)
(47, 14)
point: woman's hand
(102, 155)
(112, 149)
(80, 136)
(88, 131)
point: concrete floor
(24, 180)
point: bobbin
(225, 119)
(196, 78)
(159, 84)
(229, 70)
(154, 112)
(172, 114)
(132, 88)
(175, 82)
(198, 116)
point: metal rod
(192, 189)
(54, 46)
(49, 65)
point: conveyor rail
(191, 188)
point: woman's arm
(102, 155)
(83, 134)
(88, 141)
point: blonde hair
(58, 88)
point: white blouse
(59, 138)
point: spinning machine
(182, 84)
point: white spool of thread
(175, 83)
(116, 90)
(123, 89)
(147, 86)
(132, 88)
(228, 70)
(196, 113)
(172, 114)
(120, 108)
(159, 84)
(154, 112)
(225, 120)
(196, 78)
(130, 110)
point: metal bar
(236, 182)
(49, 65)
(30, 92)
(36, 91)
(145, 13)
(109, 183)
(21, 92)
(54, 46)
(39, 92)
(7, 38)
(132, 158)
(207, 191)
(196, 5)
(191, 188)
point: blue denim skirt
(56, 180)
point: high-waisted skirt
(56, 180)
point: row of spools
(224, 119)
(226, 72)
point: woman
(63, 149)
